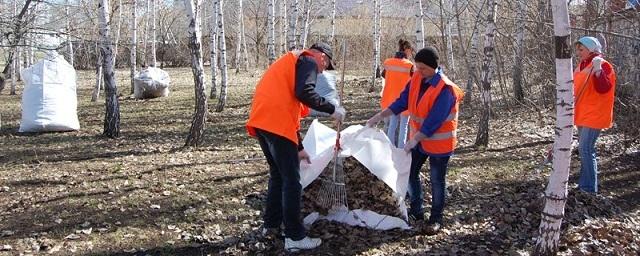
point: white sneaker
(305, 244)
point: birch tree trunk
(283, 26)
(16, 59)
(213, 46)
(482, 138)
(223, 59)
(112, 114)
(238, 37)
(99, 77)
(115, 45)
(305, 28)
(200, 115)
(376, 44)
(271, 43)
(245, 58)
(18, 33)
(333, 22)
(450, 53)
(153, 33)
(146, 34)
(419, 26)
(517, 68)
(69, 42)
(293, 21)
(134, 42)
(556, 191)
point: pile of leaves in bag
(364, 191)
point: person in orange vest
(397, 72)
(282, 97)
(433, 103)
(594, 84)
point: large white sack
(371, 148)
(151, 83)
(49, 98)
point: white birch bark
(112, 113)
(222, 100)
(450, 53)
(293, 21)
(482, 138)
(376, 44)
(302, 44)
(146, 34)
(153, 32)
(244, 44)
(117, 34)
(333, 21)
(519, 54)
(419, 26)
(134, 42)
(238, 55)
(271, 43)
(213, 47)
(99, 78)
(16, 56)
(556, 191)
(283, 26)
(200, 116)
(68, 29)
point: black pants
(284, 195)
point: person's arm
(306, 75)
(439, 112)
(401, 103)
(603, 85)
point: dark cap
(326, 49)
(428, 56)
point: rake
(333, 191)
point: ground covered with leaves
(79, 193)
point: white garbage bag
(371, 148)
(49, 100)
(151, 83)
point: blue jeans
(437, 174)
(398, 123)
(284, 195)
(588, 181)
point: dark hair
(403, 45)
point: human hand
(304, 156)
(410, 145)
(339, 114)
(597, 63)
(374, 120)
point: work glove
(374, 120)
(410, 145)
(597, 64)
(339, 114)
(304, 156)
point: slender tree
(213, 46)
(18, 32)
(556, 191)
(68, 29)
(376, 44)
(200, 116)
(99, 77)
(223, 59)
(154, 12)
(115, 45)
(14, 63)
(134, 41)
(293, 21)
(238, 37)
(305, 24)
(519, 54)
(482, 138)
(271, 43)
(112, 114)
(283, 26)
(419, 25)
(333, 21)
(146, 33)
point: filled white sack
(49, 98)
(371, 148)
(151, 83)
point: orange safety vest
(592, 109)
(444, 139)
(275, 107)
(397, 74)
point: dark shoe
(432, 228)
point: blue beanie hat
(591, 43)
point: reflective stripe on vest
(397, 69)
(450, 117)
